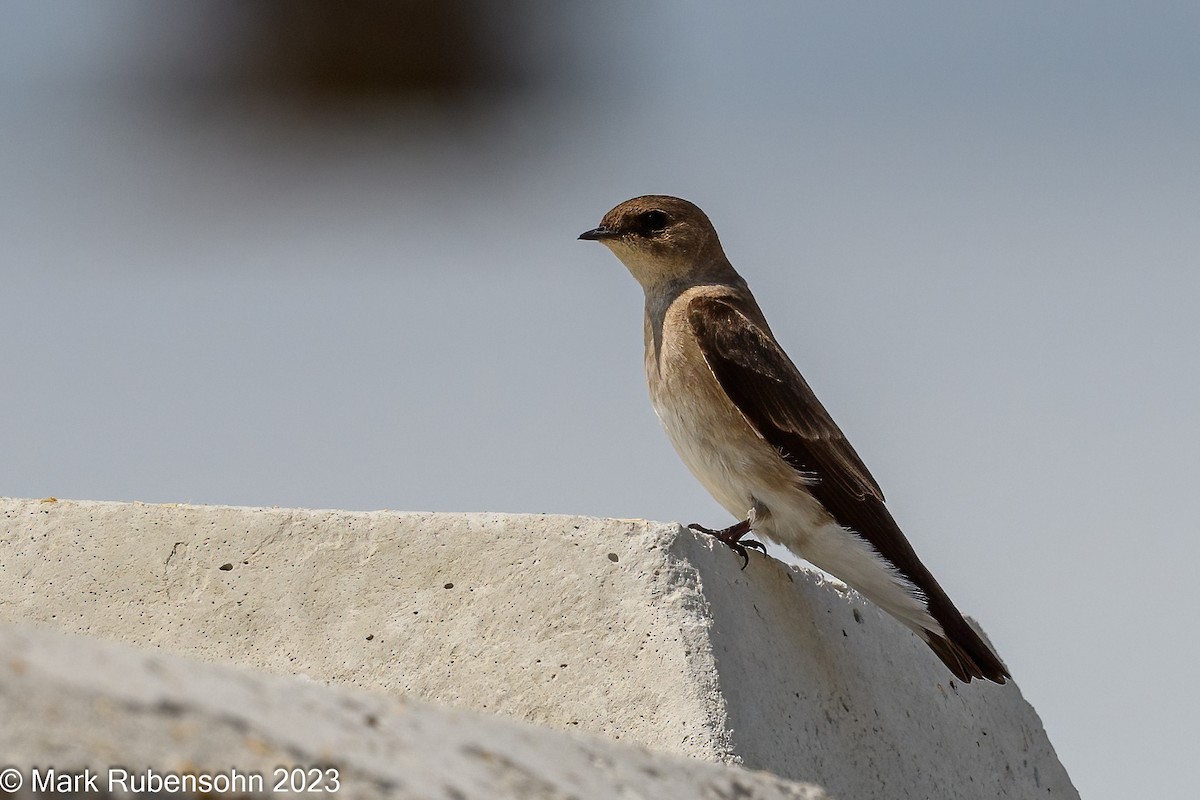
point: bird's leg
(732, 537)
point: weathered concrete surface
(635, 630)
(139, 710)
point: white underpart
(750, 480)
(849, 557)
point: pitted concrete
(634, 630)
(132, 715)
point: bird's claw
(732, 538)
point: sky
(973, 229)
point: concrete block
(121, 718)
(639, 631)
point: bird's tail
(914, 598)
(967, 661)
(901, 585)
(961, 649)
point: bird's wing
(775, 399)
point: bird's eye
(653, 221)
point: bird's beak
(599, 234)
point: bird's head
(661, 240)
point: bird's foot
(732, 537)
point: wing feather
(775, 399)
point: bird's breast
(710, 434)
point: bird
(748, 426)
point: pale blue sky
(973, 229)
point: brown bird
(746, 423)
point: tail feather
(910, 594)
(962, 650)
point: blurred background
(323, 255)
